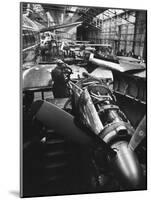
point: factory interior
(83, 80)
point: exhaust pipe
(126, 166)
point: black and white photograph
(83, 85)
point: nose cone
(126, 166)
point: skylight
(110, 13)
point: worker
(53, 48)
(60, 76)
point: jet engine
(96, 108)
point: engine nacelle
(98, 111)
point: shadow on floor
(15, 193)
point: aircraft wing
(121, 67)
(60, 26)
(102, 73)
(131, 66)
(88, 45)
(128, 59)
(37, 76)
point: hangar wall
(126, 31)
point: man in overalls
(59, 78)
